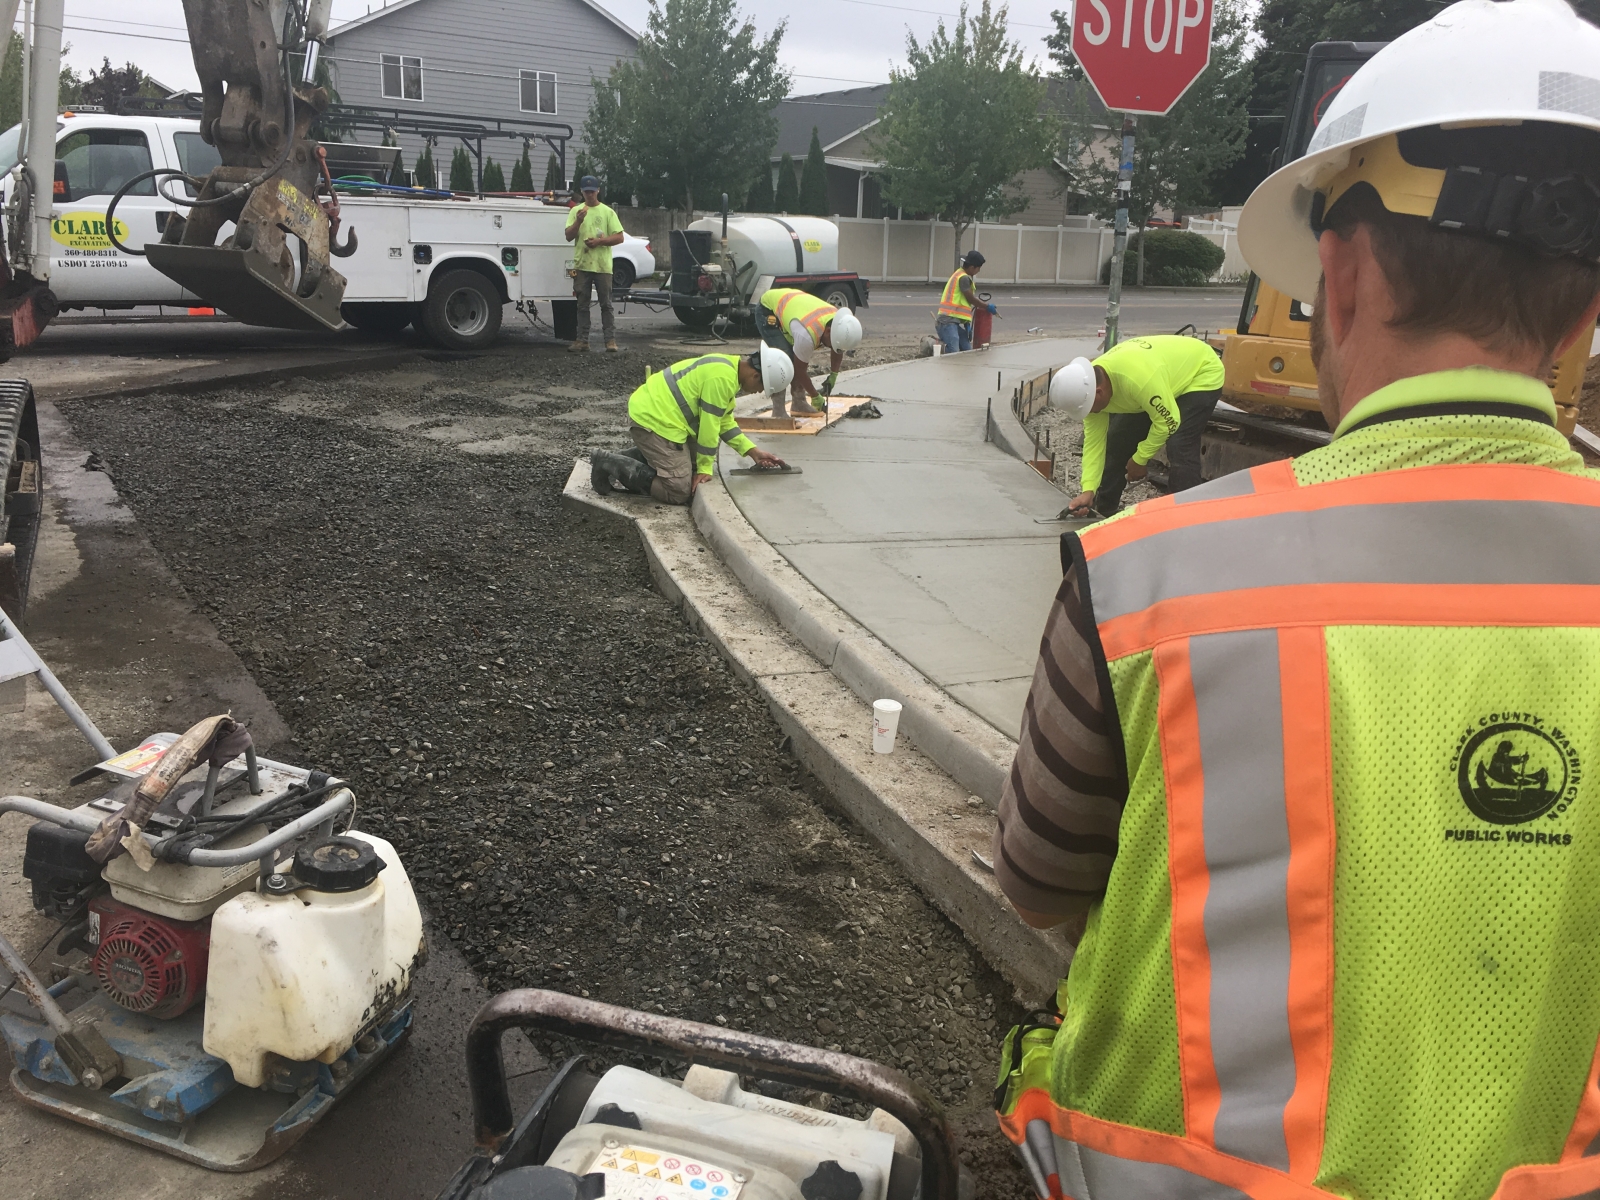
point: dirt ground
(586, 797)
(1589, 399)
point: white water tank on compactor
(300, 975)
(781, 245)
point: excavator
(1267, 357)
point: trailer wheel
(840, 295)
(622, 275)
(380, 320)
(462, 311)
(694, 318)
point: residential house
(844, 122)
(522, 61)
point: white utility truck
(447, 265)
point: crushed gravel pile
(585, 796)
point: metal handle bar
(711, 1045)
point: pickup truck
(449, 266)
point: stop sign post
(1140, 56)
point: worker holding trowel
(677, 418)
(797, 323)
(1136, 397)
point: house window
(538, 92)
(402, 77)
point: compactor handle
(710, 1045)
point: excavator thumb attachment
(248, 287)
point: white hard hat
(776, 370)
(1477, 65)
(846, 328)
(1072, 388)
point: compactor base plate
(245, 287)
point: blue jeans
(956, 335)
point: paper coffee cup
(885, 720)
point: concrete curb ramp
(730, 586)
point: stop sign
(1142, 55)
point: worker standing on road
(1136, 397)
(595, 228)
(1341, 939)
(953, 324)
(797, 323)
(677, 418)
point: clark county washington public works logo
(1516, 767)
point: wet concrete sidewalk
(918, 528)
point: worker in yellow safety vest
(1140, 395)
(1316, 746)
(953, 322)
(797, 324)
(678, 417)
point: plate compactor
(631, 1135)
(225, 966)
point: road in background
(901, 308)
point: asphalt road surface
(897, 308)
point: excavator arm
(274, 267)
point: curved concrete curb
(917, 811)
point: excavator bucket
(249, 287)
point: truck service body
(407, 248)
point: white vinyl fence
(888, 251)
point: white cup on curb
(885, 720)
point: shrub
(494, 178)
(1172, 258)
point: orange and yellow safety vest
(951, 302)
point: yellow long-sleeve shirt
(1148, 374)
(692, 400)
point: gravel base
(586, 798)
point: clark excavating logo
(85, 231)
(1515, 767)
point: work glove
(993, 311)
(827, 387)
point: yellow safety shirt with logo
(791, 304)
(693, 400)
(1148, 374)
(1348, 945)
(952, 302)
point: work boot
(578, 348)
(599, 478)
(632, 474)
(611, 345)
(634, 453)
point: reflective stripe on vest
(951, 301)
(812, 313)
(671, 376)
(1230, 588)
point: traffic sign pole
(1119, 243)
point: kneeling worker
(677, 418)
(1137, 396)
(796, 323)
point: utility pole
(1119, 243)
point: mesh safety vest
(951, 301)
(791, 304)
(1351, 942)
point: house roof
(837, 116)
(390, 9)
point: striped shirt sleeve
(1063, 801)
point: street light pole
(1119, 243)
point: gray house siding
(472, 53)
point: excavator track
(23, 473)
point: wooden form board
(815, 423)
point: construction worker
(1136, 397)
(677, 418)
(595, 228)
(1341, 940)
(953, 324)
(797, 323)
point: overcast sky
(846, 42)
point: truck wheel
(622, 275)
(381, 320)
(694, 318)
(840, 295)
(462, 311)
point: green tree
(583, 164)
(426, 174)
(522, 170)
(109, 86)
(692, 115)
(494, 179)
(1177, 158)
(759, 199)
(70, 88)
(814, 180)
(786, 199)
(461, 171)
(554, 181)
(961, 121)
